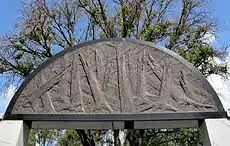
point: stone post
(14, 133)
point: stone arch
(115, 79)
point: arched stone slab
(116, 77)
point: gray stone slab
(115, 76)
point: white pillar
(13, 133)
(216, 132)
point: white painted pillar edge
(216, 132)
(228, 113)
(13, 133)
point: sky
(221, 12)
(9, 11)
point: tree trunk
(85, 140)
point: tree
(47, 27)
(164, 137)
(73, 137)
(42, 137)
(70, 137)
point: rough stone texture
(115, 77)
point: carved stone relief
(115, 77)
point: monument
(114, 84)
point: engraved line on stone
(123, 87)
(139, 65)
(155, 67)
(189, 96)
(126, 96)
(150, 84)
(99, 64)
(106, 73)
(45, 87)
(44, 99)
(118, 77)
(111, 45)
(142, 91)
(129, 70)
(142, 77)
(162, 102)
(73, 79)
(86, 70)
(166, 88)
(97, 94)
(131, 48)
(75, 88)
(50, 101)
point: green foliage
(164, 137)
(74, 138)
(2, 68)
(42, 137)
(69, 138)
(201, 56)
(156, 32)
